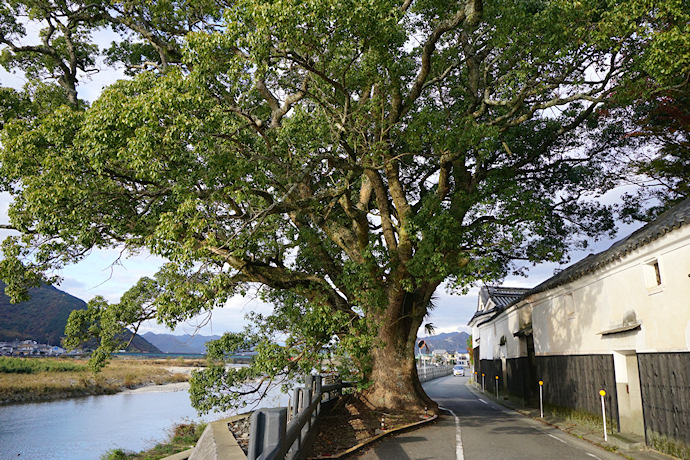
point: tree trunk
(395, 383)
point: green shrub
(182, 437)
(10, 365)
(187, 433)
(115, 454)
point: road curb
(370, 441)
(615, 445)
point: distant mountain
(43, 317)
(449, 341)
(169, 343)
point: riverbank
(120, 375)
(181, 437)
(87, 428)
(162, 388)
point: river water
(85, 428)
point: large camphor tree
(653, 110)
(343, 159)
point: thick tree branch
(425, 69)
(283, 278)
(384, 209)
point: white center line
(556, 438)
(459, 455)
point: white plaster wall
(486, 341)
(490, 336)
(476, 338)
(512, 325)
(476, 330)
(621, 292)
(541, 326)
(502, 329)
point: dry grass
(182, 437)
(120, 374)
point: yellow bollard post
(603, 413)
(541, 399)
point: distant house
(6, 348)
(498, 352)
(462, 357)
(50, 350)
(440, 356)
(618, 321)
(27, 348)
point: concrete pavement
(625, 445)
(476, 427)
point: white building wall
(490, 337)
(486, 341)
(570, 319)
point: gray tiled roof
(504, 296)
(672, 219)
(501, 296)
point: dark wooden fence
(491, 368)
(517, 379)
(574, 381)
(520, 379)
(665, 386)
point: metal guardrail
(273, 437)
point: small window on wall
(570, 306)
(657, 273)
(653, 277)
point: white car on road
(459, 370)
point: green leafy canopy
(345, 158)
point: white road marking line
(459, 455)
(494, 407)
(556, 438)
(509, 413)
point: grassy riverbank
(42, 379)
(182, 437)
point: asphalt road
(477, 428)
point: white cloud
(230, 318)
(445, 329)
(107, 273)
(12, 80)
